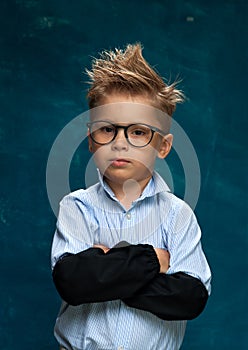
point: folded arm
(93, 276)
(171, 297)
(130, 274)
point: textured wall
(45, 46)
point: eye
(107, 129)
(139, 131)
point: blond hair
(127, 72)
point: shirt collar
(155, 185)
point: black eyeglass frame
(125, 127)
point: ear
(90, 142)
(165, 146)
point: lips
(119, 162)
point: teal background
(45, 46)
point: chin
(118, 177)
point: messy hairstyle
(127, 72)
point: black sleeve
(93, 276)
(171, 297)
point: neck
(128, 191)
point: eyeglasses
(137, 135)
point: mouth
(119, 162)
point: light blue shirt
(157, 217)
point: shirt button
(128, 216)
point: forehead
(130, 113)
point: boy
(126, 256)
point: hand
(105, 249)
(163, 258)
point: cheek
(95, 148)
(151, 152)
(100, 154)
(146, 157)
(156, 142)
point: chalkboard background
(45, 46)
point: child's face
(119, 160)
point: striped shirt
(157, 217)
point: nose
(120, 141)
